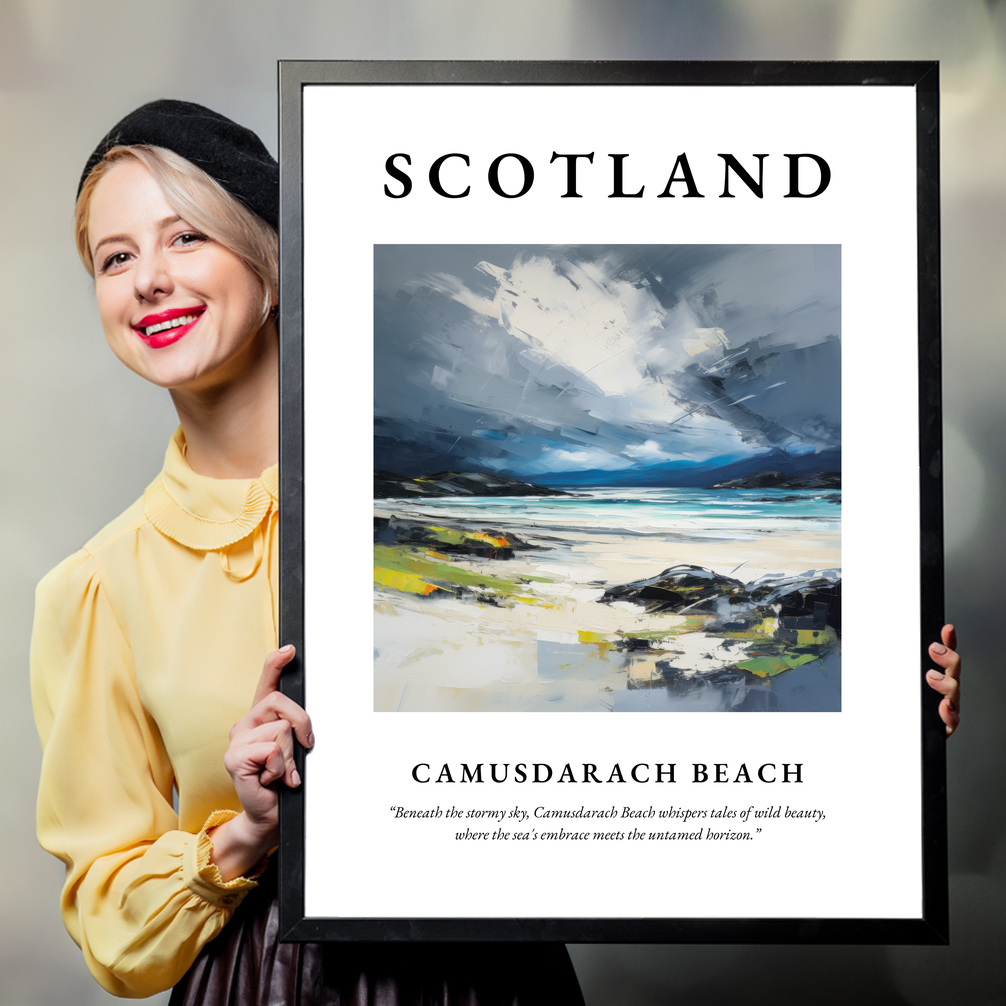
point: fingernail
(936, 675)
(938, 648)
(310, 740)
(287, 649)
(295, 777)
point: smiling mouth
(167, 321)
(185, 319)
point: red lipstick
(166, 325)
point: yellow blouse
(147, 647)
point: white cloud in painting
(706, 339)
(442, 378)
(560, 459)
(650, 452)
(572, 315)
(452, 287)
(695, 438)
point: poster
(631, 427)
(621, 364)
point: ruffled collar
(203, 513)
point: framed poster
(642, 363)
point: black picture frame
(931, 926)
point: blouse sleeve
(141, 898)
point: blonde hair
(199, 200)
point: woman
(148, 643)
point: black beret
(231, 154)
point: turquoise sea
(644, 511)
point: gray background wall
(82, 436)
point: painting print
(607, 478)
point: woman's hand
(947, 682)
(260, 753)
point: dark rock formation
(676, 588)
(486, 543)
(387, 484)
(806, 601)
(780, 480)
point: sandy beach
(532, 633)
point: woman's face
(177, 308)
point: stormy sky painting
(614, 365)
(607, 479)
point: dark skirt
(246, 965)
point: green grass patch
(403, 559)
(768, 667)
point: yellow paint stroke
(810, 637)
(766, 627)
(455, 536)
(408, 583)
(598, 639)
(492, 540)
